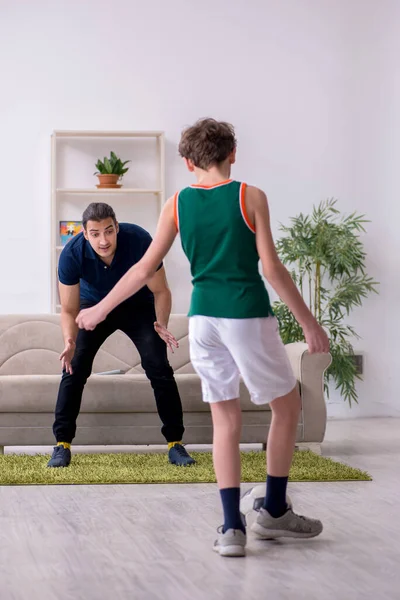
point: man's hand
(166, 336)
(88, 318)
(316, 338)
(67, 355)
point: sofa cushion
(103, 393)
(31, 344)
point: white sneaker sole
(272, 534)
(230, 551)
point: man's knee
(158, 369)
(154, 359)
(80, 371)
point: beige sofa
(120, 409)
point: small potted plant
(110, 171)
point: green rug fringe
(24, 469)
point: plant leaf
(327, 260)
(108, 166)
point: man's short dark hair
(98, 211)
(208, 142)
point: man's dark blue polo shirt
(80, 264)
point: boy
(225, 230)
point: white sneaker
(288, 525)
(230, 543)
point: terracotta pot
(108, 180)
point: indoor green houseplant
(326, 258)
(110, 170)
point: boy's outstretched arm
(277, 274)
(138, 275)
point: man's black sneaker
(178, 456)
(61, 457)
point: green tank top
(219, 241)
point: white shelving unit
(73, 186)
(106, 191)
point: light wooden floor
(154, 542)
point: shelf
(65, 191)
(106, 191)
(109, 134)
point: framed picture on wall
(68, 230)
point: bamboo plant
(326, 258)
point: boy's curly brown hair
(207, 143)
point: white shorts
(223, 349)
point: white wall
(295, 79)
(375, 110)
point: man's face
(102, 236)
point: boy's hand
(316, 338)
(89, 318)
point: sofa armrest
(309, 371)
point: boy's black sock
(275, 497)
(231, 504)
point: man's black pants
(139, 327)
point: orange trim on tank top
(176, 211)
(200, 185)
(244, 209)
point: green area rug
(23, 469)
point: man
(89, 267)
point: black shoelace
(181, 450)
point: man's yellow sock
(65, 444)
(172, 444)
